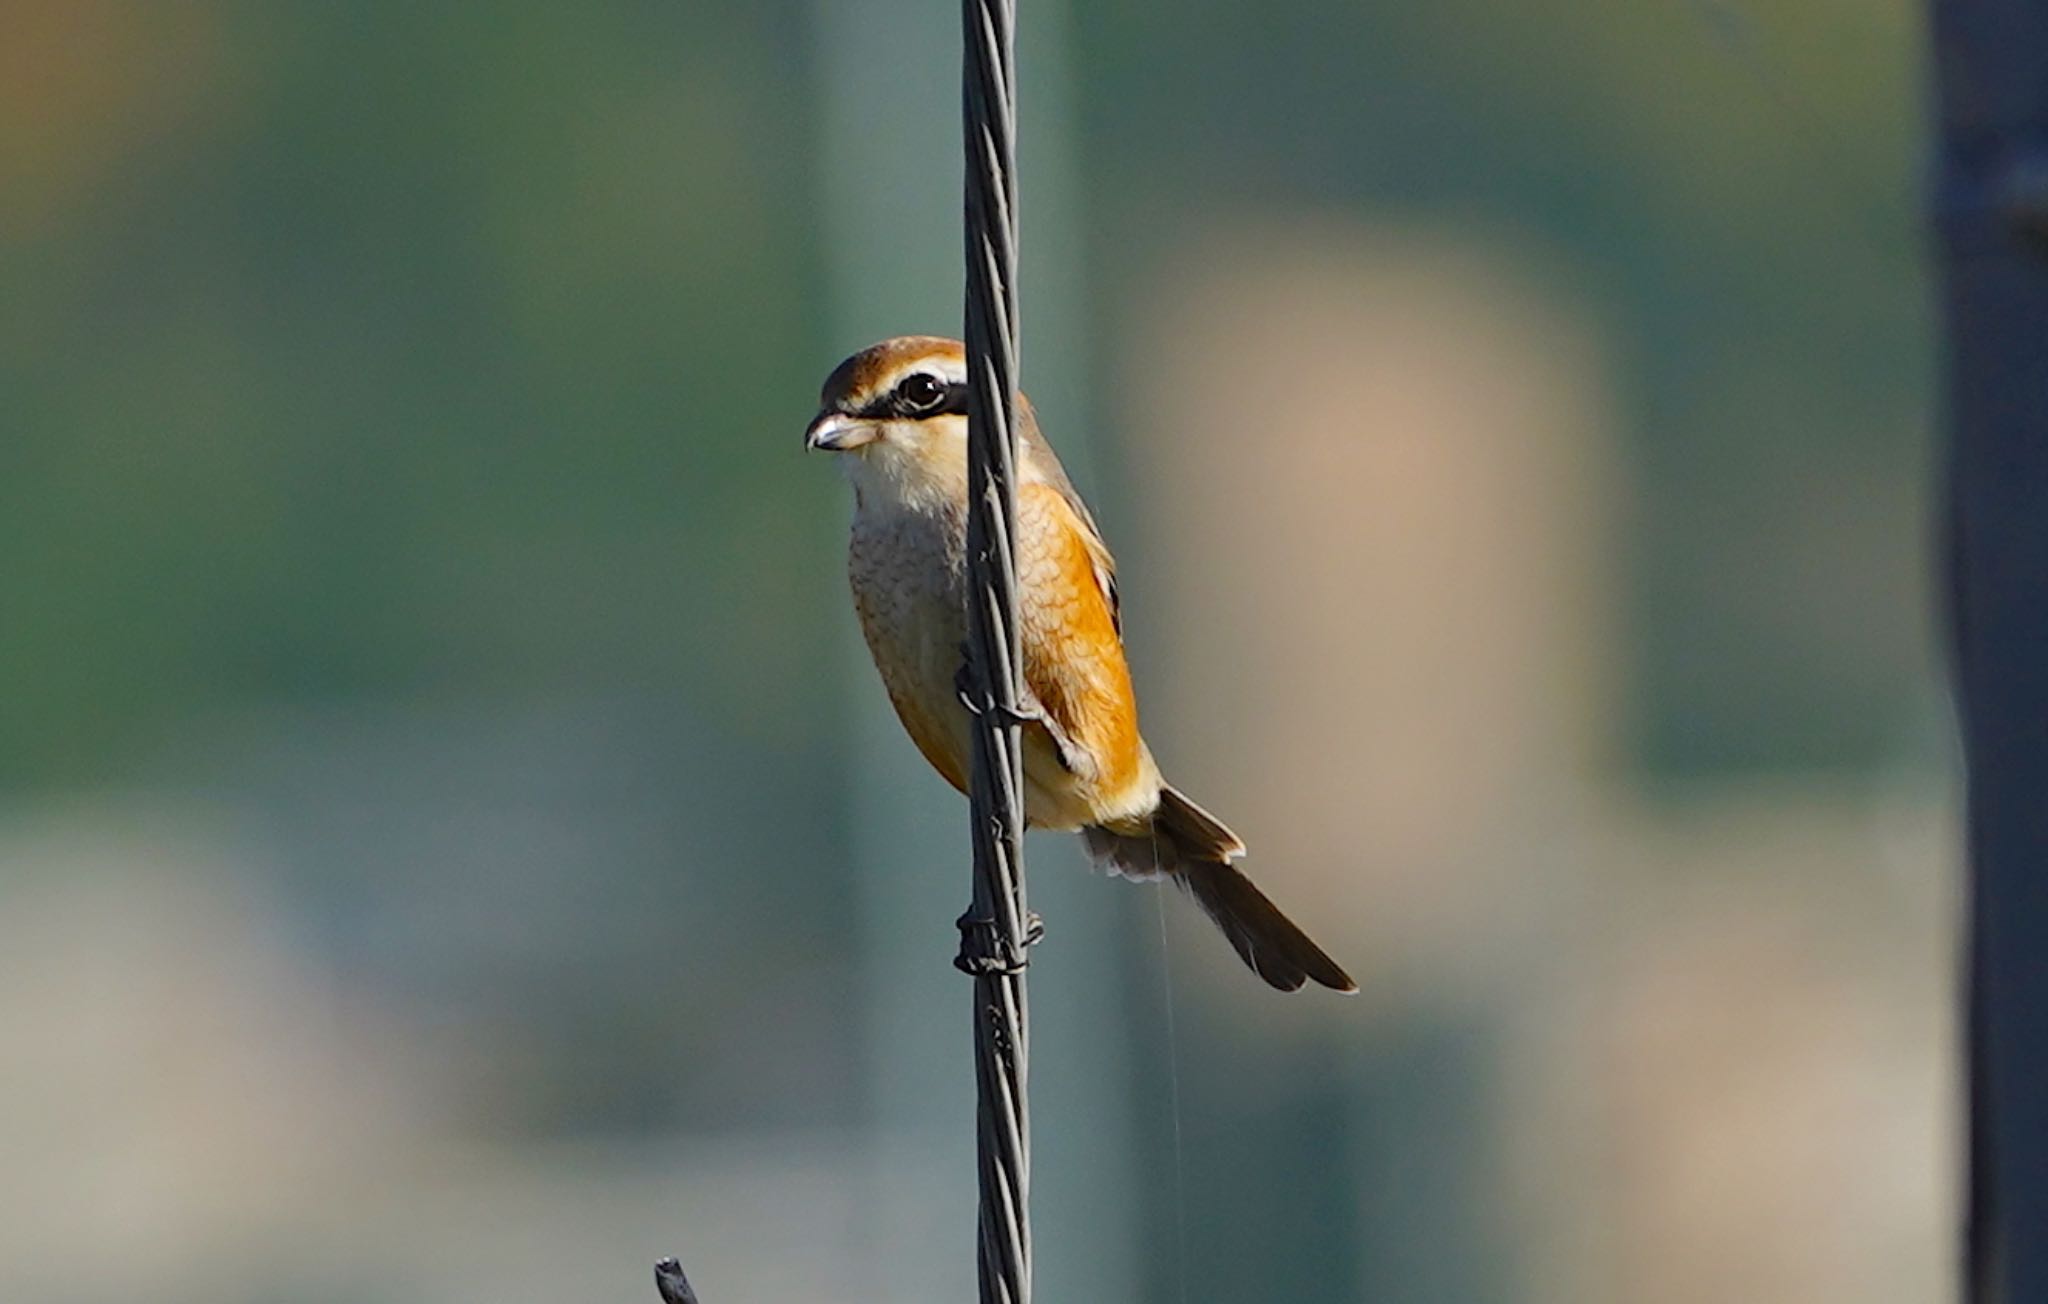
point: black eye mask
(951, 401)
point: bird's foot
(978, 704)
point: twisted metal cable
(996, 929)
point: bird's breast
(909, 575)
(908, 572)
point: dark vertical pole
(994, 933)
(1991, 67)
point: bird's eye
(920, 392)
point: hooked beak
(836, 432)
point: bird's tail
(1188, 845)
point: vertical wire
(1180, 1170)
(994, 933)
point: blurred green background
(452, 846)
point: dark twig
(673, 1285)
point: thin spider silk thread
(1180, 1175)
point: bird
(895, 414)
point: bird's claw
(977, 703)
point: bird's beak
(836, 432)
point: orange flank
(1073, 655)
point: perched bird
(897, 415)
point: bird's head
(900, 409)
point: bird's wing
(1041, 455)
(1074, 665)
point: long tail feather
(1193, 848)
